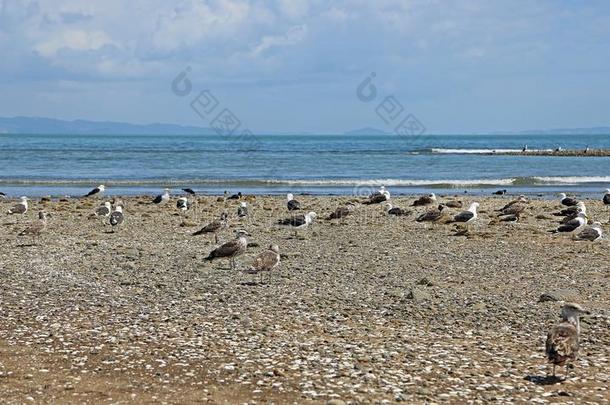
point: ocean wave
(339, 183)
(481, 151)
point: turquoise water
(317, 164)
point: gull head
(387, 207)
(562, 195)
(107, 204)
(312, 215)
(243, 204)
(608, 191)
(289, 197)
(474, 206)
(274, 248)
(241, 233)
(118, 208)
(572, 310)
(433, 196)
(101, 187)
(23, 199)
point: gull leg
(215, 237)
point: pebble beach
(366, 309)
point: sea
(70, 165)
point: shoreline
(557, 153)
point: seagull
(512, 218)
(499, 192)
(397, 211)
(299, 221)
(96, 192)
(235, 196)
(36, 229)
(2, 195)
(572, 211)
(378, 197)
(573, 225)
(162, 199)
(606, 198)
(242, 210)
(433, 215)
(189, 191)
(231, 249)
(214, 227)
(117, 218)
(425, 200)
(562, 339)
(291, 203)
(567, 200)
(103, 210)
(519, 200)
(467, 216)
(266, 261)
(513, 209)
(341, 212)
(590, 233)
(21, 207)
(454, 204)
(183, 204)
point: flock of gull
(562, 340)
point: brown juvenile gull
(606, 198)
(565, 200)
(396, 211)
(214, 227)
(514, 209)
(21, 207)
(36, 229)
(117, 217)
(433, 215)
(510, 218)
(590, 233)
(96, 192)
(519, 200)
(453, 204)
(231, 249)
(291, 203)
(162, 199)
(265, 262)
(299, 221)
(573, 225)
(562, 340)
(341, 212)
(425, 200)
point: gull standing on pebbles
(562, 340)
(231, 249)
(433, 215)
(103, 210)
(291, 203)
(21, 207)
(265, 262)
(162, 199)
(242, 210)
(573, 225)
(96, 192)
(341, 212)
(568, 201)
(183, 204)
(36, 229)
(214, 227)
(299, 221)
(117, 217)
(519, 200)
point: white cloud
(293, 36)
(75, 40)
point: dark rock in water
(560, 295)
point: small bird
(563, 339)
(573, 225)
(590, 233)
(96, 192)
(242, 210)
(231, 249)
(189, 191)
(265, 262)
(341, 212)
(117, 217)
(235, 196)
(291, 203)
(606, 198)
(433, 215)
(299, 221)
(567, 201)
(467, 216)
(396, 211)
(21, 207)
(36, 229)
(214, 227)
(162, 199)
(499, 192)
(183, 204)
(425, 200)
(103, 210)
(378, 197)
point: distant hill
(37, 125)
(366, 131)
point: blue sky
(294, 65)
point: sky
(298, 66)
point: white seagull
(117, 218)
(21, 207)
(162, 199)
(97, 192)
(573, 225)
(299, 221)
(242, 210)
(291, 203)
(183, 204)
(590, 233)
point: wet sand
(365, 309)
